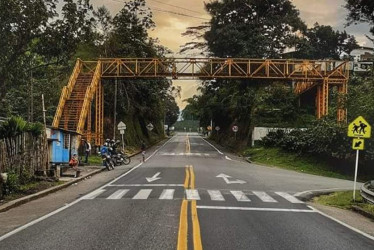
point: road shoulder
(350, 218)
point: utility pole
(45, 123)
(115, 108)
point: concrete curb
(359, 210)
(309, 195)
(28, 198)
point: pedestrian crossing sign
(359, 128)
(358, 144)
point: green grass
(344, 200)
(305, 164)
(95, 160)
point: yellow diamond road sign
(358, 144)
(359, 128)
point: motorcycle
(119, 158)
(107, 160)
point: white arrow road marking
(154, 178)
(226, 177)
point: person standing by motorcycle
(87, 150)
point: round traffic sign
(235, 128)
(218, 128)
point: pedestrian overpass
(84, 86)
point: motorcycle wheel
(107, 165)
(111, 164)
(126, 159)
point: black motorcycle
(118, 157)
(107, 161)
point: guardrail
(367, 194)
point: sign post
(217, 129)
(122, 127)
(235, 129)
(358, 129)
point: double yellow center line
(189, 183)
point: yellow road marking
(183, 227)
(192, 179)
(196, 227)
(186, 180)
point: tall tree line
(41, 40)
(258, 29)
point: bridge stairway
(74, 104)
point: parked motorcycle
(120, 158)
(107, 160)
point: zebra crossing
(195, 194)
(186, 154)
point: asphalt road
(195, 197)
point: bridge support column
(322, 99)
(89, 123)
(342, 111)
(99, 114)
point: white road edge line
(342, 223)
(258, 209)
(212, 146)
(228, 158)
(147, 185)
(3, 237)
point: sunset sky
(170, 26)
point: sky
(169, 27)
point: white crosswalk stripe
(142, 194)
(94, 194)
(184, 154)
(288, 197)
(263, 196)
(167, 194)
(192, 194)
(240, 196)
(118, 194)
(215, 195)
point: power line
(170, 11)
(179, 14)
(179, 7)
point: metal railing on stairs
(66, 92)
(90, 92)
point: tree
(322, 42)
(241, 28)
(249, 28)
(360, 11)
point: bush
(12, 184)
(325, 138)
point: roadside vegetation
(344, 200)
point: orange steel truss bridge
(74, 108)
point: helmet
(118, 141)
(107, 140)
(112, 141)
